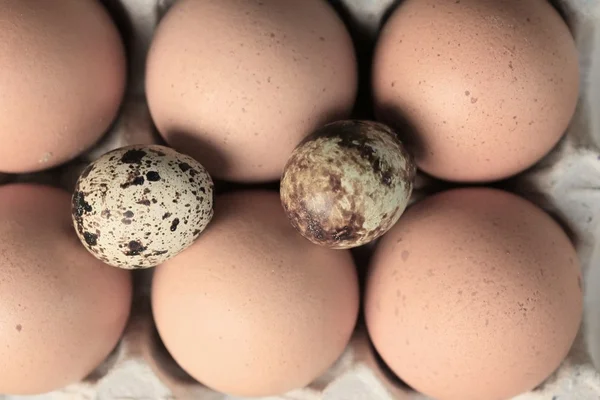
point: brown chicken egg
(62, 76)
(347, 183)
(254, 309)
(474, 294)
(251, 79)
(488, 87)
(63, 311)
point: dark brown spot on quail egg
(149, 190)
(90, 238)
(153, 176)
(133, 156)
(347, 183)
(135, 248)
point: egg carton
(566, 183)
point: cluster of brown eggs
(471, 293)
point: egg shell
(138, 206)
(62, 78)
(253, 309)
(474, 294)
(347, 184)
(63, 311)
(486, 88)
(258, 77)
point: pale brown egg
(63, 311)
(237, 84)
(254, 309)
(474, 294)
(488, 87)
(62, 76)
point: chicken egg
(63, 311)
(474, 294)
(252, 79)
(62, 77)
(487, 87)
(253, 309)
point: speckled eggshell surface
(474, 294)
(138, 206)
(489, 86)
(347, 184)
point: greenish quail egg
(138, 206)
(347, 184)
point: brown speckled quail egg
(138, 206)
(347, 184)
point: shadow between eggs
(199, 149)
(166, 363)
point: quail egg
(347, 184)
(138, 206)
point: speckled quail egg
(347, 183)
(138, 206)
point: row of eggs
(475, 293)
(480, 89)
